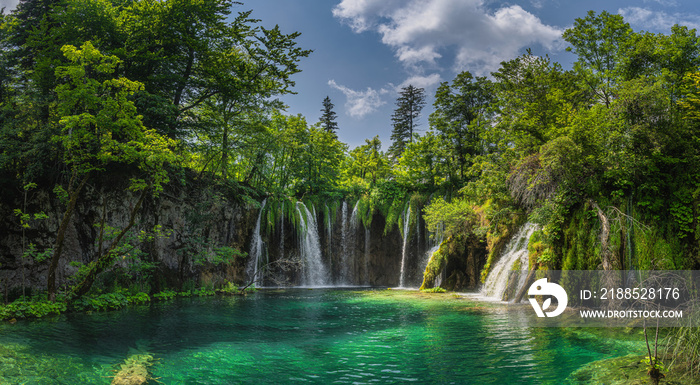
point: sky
(365, 51)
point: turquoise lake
(295, 336)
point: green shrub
(165, 295)
(24, 308)
(109, 301)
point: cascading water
(435, 240)
(282, 231)
(406, 220)
(367, 245)
(344, 257)
(516, 250)
(313, 271)
(353, 267)
(256, 249)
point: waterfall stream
(367, 245)
(406, 220)
(256, 249)
(516, 250)
(313, 271)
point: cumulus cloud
(420, 31)
(660, 21)
(360, 103)
(9, 5)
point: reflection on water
(304, 336)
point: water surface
(324, 336)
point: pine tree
(328, 117)
(405, 118)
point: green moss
(436, 263)
(437, 289)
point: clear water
(320, 336)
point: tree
(328, 117)
(251, 67)
(423, 164)
(534, 99)
(405, 118)
(461, 115)
(100, 126)
(366, 164)
(600, 42)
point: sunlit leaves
(99, 122)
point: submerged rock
(134, 370)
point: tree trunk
(605, 253)
(60, 236)
(105, 260)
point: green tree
(251, 66)
(599, 41)
(328, 117)
(100, 126)
(461, 115)
(366, 165)
(423, 164)
(535, 100)
(405, 118)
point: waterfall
(516, 249)
(256, 249)
(441, 276)
(418, 234)
(434, 246)
(344, 271)
(353, 263)
(367, 244)
(406, 220)
(329, 235)
(313, 271)
(282, 231)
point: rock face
(457, 265)
(198, 223)
(194, 219)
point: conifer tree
(405, 118)
(328, 117)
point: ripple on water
(306, 336)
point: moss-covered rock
(134, 370)
(627, 370)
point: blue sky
(365, 50)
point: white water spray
(516, 249)
(406, 220)
(256, 249)
(313, 271)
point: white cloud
(9, 5)
(360, 103)
(363, 15)
(665, 3)
(420, 31)
(420, 81)
(658, 21)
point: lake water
(320, 336)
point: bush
(165, 295)
(109, 301)
(24, 308)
